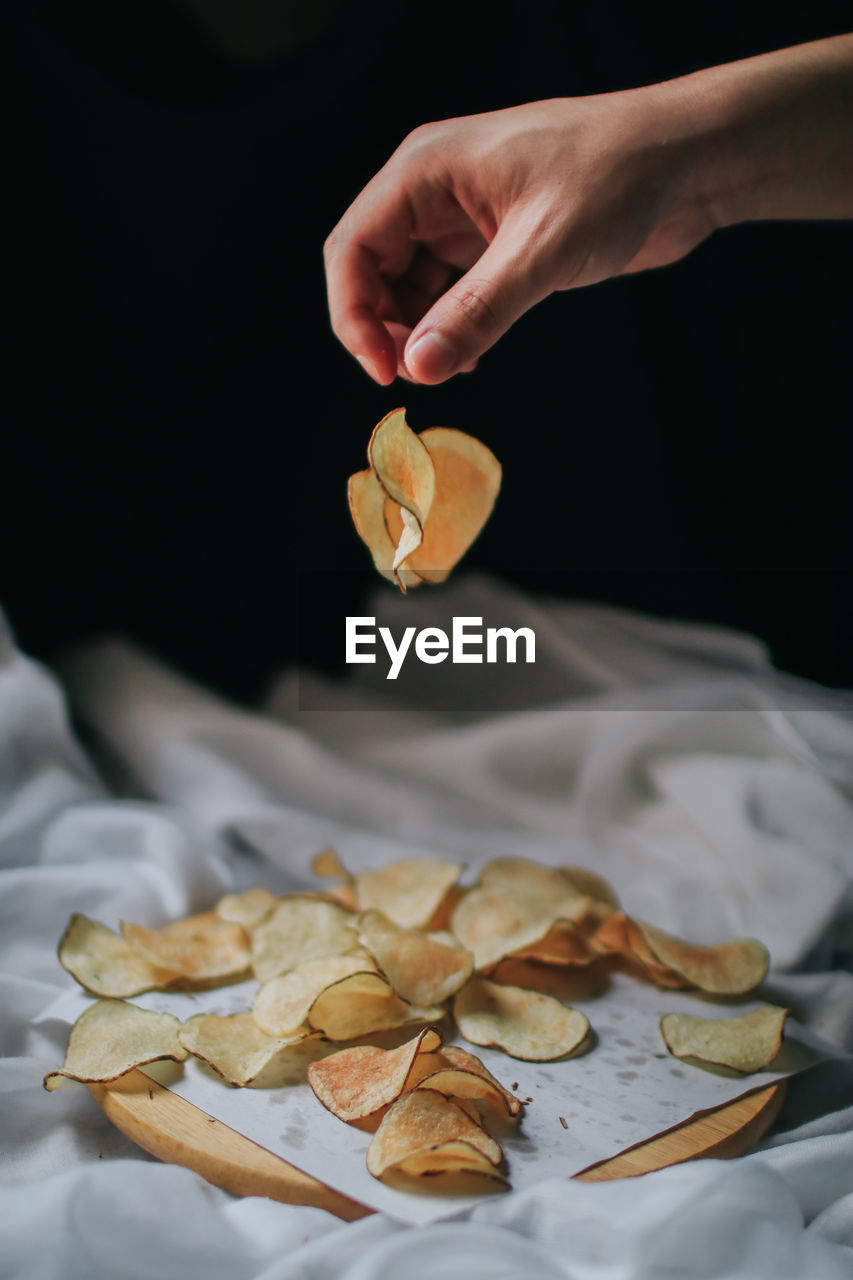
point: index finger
(373, 239)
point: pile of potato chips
(382, 950)
(423, 500)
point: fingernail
(431, 358)
(369, 368)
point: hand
(474, 220)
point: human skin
(473, 221)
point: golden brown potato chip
(467, 481)
(112, 1037)
(463, 1076)
(203, 949)
(747, 1043)
(545, 885)
(328, 866)
(419, 968)
(234, 1045)
(361, 1004)
(424, 499)
(282, 1004)
(420, 1122)
(300, 928)
(356, 1083)
(525, 1024)
(493, 923)
(729, 969)
(408, 892)
(563, 944)
(105, 964)
(247, 908)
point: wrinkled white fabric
(712, 790)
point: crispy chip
(282, 1004)
(420, 969)
(424, 499)
(356, 1083)
(300, 928)
(247, 908)
(467, 481)
(361, 1004)
(112, 1037)
(563, 944)
(462, 1075)
(203, 949)
(729, 969)
(105, 964)
(409, 892)
(493, 923)
(328, 866)
(420, 1123)
(234, 1045)
(525, 1024)
(748, 1043)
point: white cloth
(713, 792)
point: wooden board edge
(722, 1134)
(176, 1131)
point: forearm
(773, 135)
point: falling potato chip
(247, 908)
(463, 1076)
(356, 1083)
(493, 923)
(467, 481)
(424, 499)
(105, 964)
(282, 1003)
(417, 1125)
(112, 1037)
(729, 969)
(234, 1044)
(363, 1003)
(525, 1024)
(420, 969)
(747, 1043)
(409, 892)
(299, 929)
(203, 949)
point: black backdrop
(180, 421)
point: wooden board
(174, 1130)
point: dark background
(180, 421)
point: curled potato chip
(105, 964)
(356, 1083)
(747, 1043)
(234, 1045)
(424, 499)
(363, 1003)
(546, 886)
(563, 944)
(202, 949)
(409, 892)
(111, 1038)
(729, 969)
(417, 1125)
(282, 1003)
(298, 929)
(467, 481)
(461, 1075)
(525, 1024)
(420, 969)
(247, 908)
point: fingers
(470, 317)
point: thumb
(476, 311)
